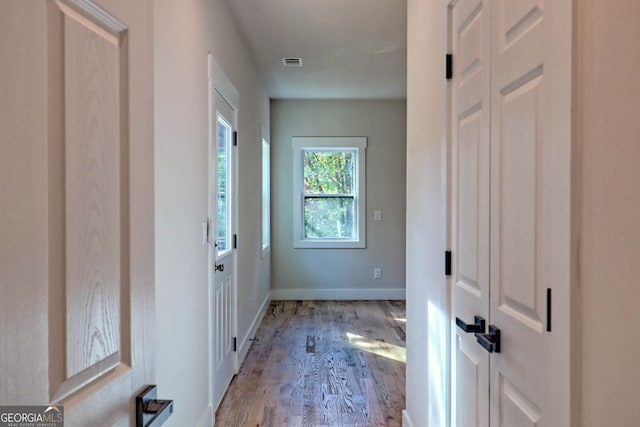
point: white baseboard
(337, 294)
(206, 420)
(245, 344)
(406, 421)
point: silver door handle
(218, 267)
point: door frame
(219, 82)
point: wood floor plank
(322, 363)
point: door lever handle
(477, 327)
(151, 412)
(490, 341)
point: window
(266, 196)
(329, 192)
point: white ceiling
(350, 49)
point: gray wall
(341, 273)
(609, 206)
(185, 32)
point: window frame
(305, 144)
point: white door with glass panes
(223, 245)
(510, 216)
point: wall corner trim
(406, 420)
(207, 418)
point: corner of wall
(207, 419)
(406, 420)
(427, 398)
(245, 345)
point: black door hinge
(449, 66)
(235, 241)
(548, 309)
(235, 137)
(235, 344)
(447, 263)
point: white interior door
(510, 130)
(76, 174)
(223, 251)
(530, 225)
(470, 136)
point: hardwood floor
(322, 363)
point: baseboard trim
(406, 421)
(245, 344)
(206, 420)
(338, 294)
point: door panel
(521, 243)
(525, 213)
(469, 137)
(470, 395)
(94, 187)
(470, 207)
(94, 227)
(515, 408)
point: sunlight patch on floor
(381, 348)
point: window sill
(329, 244)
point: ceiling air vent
(292, 62)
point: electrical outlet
(377, 273)
(377, 215)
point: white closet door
(530, 197)
(470, 126)
(511, 197)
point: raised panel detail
(220, 321)
(520, 151)
(515, 408)
(90, 47)
(92, 197)
(467, 387)
(470, 41)
(468, 180)
(517, 17)
(228, 339)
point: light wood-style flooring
(322, 363)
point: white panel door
(470, 126)
(223, 250)
(85, 281)
(530, 224)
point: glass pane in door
(224, 185)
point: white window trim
(323, 143)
